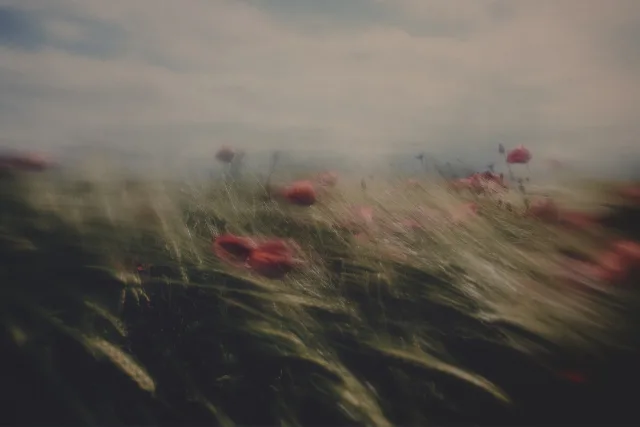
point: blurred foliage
(466, 327)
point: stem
(267, 184)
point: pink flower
(301, 193)
(547, 211)
(629, 251)
(519, 155)
(273, 259)
(232, 249)
(616, 265)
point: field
(405, 307)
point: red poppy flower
(225, 154)
(615, 265)
(275, 246)
(301, 193)
(612, 267)
(619, 262)
(233, 249)
(519, 155)
(629, 255)
(272, 259)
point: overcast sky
(453, 77)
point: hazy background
(177, 78)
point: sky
(359, 77)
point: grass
(451, 324)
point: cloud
(361, 76)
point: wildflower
(629, 251)
(274, 246)
(546, 210)
(272, 259)
(519, 155)
(301, 193)
(233, 249)
(225, 154)
(616, 265)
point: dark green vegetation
(468, 326)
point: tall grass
(455, 323)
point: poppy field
(320, 299)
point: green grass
(452, 324)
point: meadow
(408, 303)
